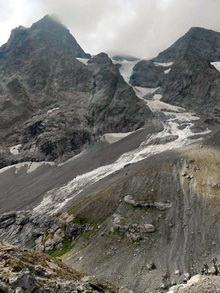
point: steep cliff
(56, 104)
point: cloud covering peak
(141, 28)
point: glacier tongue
(174, 118)
(126, 68)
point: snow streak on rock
(164, 64)
(53, 110)
(167, 71)
(83, 60)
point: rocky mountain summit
(187, 73)
(46, 33)
(203, 42)
(55, 104)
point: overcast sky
(140, 28)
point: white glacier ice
(126, 68)
(57, 198)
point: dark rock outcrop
(147, 74)
(194, 84)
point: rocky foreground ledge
(26, 271)
(198, 284)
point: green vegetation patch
(80, 219)
(67, 245)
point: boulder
(74, 229)
(151, 266)
(149, 228)
(7, 219)
(25, 280)
(3, 288)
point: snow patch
(164, 64)
(83, 60)
(2, 170)
(155, 104)
(14, 150)
(142, 91)
(167, 71)
(114, 137)
(31, 166)
(34, 165)
(53, 110)
(216, 65)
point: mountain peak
(197, 28)
(200, 29)
(51, 32)
(204, 42)
(47, 33)
(48, 21)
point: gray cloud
(141, 28)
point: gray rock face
(44, 232)
(205, 43)
(192, 81)
(194, 84)
(24, 280)
(147, 74)
(74, 230)
(56, 104)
